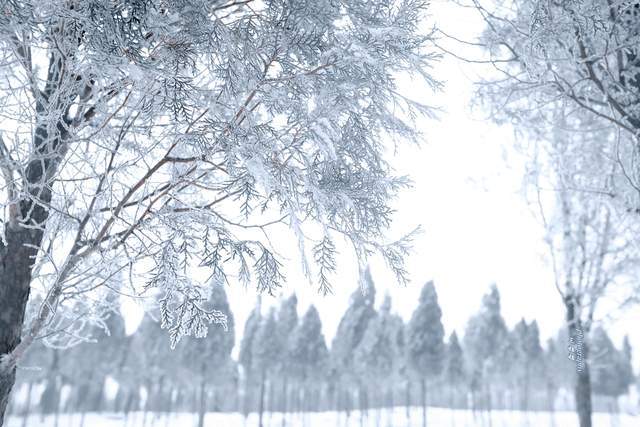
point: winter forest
(284, 367)
(319, 213)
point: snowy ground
(436, 418)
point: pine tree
(210, 357)
(627, 361)
(87, 365)
(378, 356)
(246, 356)
(287, 323)
(612, 373)
(265, 351)
(309, 355)
(559, 370)
(527, 358)
(454, 370)
(486, 339)
(351, 329)
(426, 342)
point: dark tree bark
(15, 277)
(23, 237)
(583, 395)
(583, 382)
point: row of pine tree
(285, 365)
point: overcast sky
(478, 229)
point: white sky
(478, 228)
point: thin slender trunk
(423, 389)
(489, 403)
(203, 402)
(285, 389)
(408, 401)
(169, 408)
(261, 405)
(361, 404)
(452, 392)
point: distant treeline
(284, 364)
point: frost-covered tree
(351, 329)
(246, 357)
(86, 366)
(485, 342)
(583, 54)
(309, 355)
(627, 361)
(378, 357)
(165, 132)
(567, 76)
(425, 342)
(610, 366)
(210, 356)
(287, 323)
(527, 358)
(454, 369)
(264, 353)
(590, 236)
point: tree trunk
(284, 400)
(583, 383)
(19, 248)
(423, 389)
(261, 404)
(489, 403)
(408, 401)
(361, 404)
(15, 277)
(203, 402)
(525, 392)
(583, 396)
(452, 391)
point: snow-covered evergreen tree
(425, 342)
(287, 323)
(627, 362)
(610, 367)
(351, 329)
(378, 356)
(486, 340)
(209, 358)
(246, 356)
(264, 354)
(454, 370)
(309, 356)
(527, 357)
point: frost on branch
(181, 303)
(187, 131)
